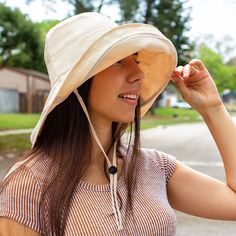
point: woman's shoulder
(153, 159)
(157, 156)
(33, 168)
(20, 197)
(21, 192)
(159, 159)
(149, 155)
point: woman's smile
(130, 99)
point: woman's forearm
(223, 130)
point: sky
(214, 17)
(217, 17)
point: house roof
(28, 72)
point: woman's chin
(127, 119)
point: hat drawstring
(113, 186)
(111, 167)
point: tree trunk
(148, 14)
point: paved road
(193, 145)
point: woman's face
(115, 91)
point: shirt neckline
(101, 187)
(106, 187)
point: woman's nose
(135, 73)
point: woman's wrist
(213, 112)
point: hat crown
(83, 29)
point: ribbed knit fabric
(91, 209)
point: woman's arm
(223, 130)
(10, 227)
(188, 190)
(197, 194)
(198, 89)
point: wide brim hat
(83, 45)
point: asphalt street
(193, 145)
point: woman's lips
(129, 101)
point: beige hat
(84, 45)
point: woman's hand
(197, 86)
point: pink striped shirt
(91, 209)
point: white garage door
(9, 101)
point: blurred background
(203, 29)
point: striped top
(91, 210)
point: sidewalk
(16, 131)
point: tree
(128, 9)
(223, 74)
(19, 40)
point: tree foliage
(223, 74)
(19, 44)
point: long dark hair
(63, 139)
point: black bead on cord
(112, 170)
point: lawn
(169, 116)
(14, 143)
(20, 143)
(18, 121)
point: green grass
(18, 121)
(182, 114)
(169, 116)
(14, 143)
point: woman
(79, 178)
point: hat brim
(157, 56)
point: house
(168, 98)
(22, 90)
(229, 97)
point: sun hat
(83, 45)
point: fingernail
(194, 68)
